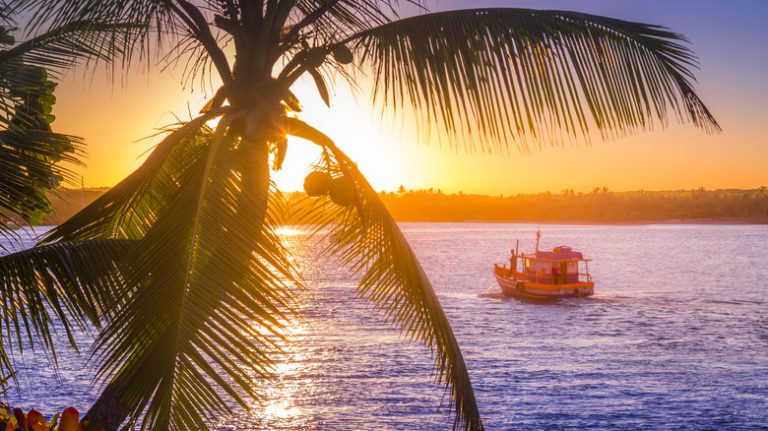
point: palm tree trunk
(255, 196)
(109, 411)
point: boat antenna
(538, 237)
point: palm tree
(180, 261)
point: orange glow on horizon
(114, 118)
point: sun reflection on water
(289, 231)
(281, 404)
(281, 410)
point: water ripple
(675, 338)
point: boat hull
(531, 290)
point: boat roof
(558, 254)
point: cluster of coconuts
(340, 189)
(315, 57)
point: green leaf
(30, 152)
(29, 170)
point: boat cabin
(562, 265)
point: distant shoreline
(606, 223)
(566, 223)
(600, 207)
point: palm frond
(60, 47)
(177, 30)
(146, 18)
(25, 68)
(334, 18)
(368, 239)
(73, 283)
(491, 76)
(130, 208)
(4, 378)
(211, 301)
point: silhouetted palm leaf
(213, 295)
(72, 283)
(491, 76)
(129, 209)
(338, 17)
(158, 25)
(61, 47)
(144, 16)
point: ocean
(675, 337)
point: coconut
(342, 192)
(315, 57)
(342, 54)
(317, 183)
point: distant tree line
(599, 205)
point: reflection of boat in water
(560, 273)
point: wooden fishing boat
(560, 273)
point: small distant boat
(560, 273)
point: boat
(560, 273)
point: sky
(728, 37)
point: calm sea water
(676, 337)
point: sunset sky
(728, 37)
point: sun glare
(289, 231)
(281, 409)
(354, 126)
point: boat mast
(538, 237)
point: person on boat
(512, 262)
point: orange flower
(36, 421)
(21, 418)
(11, 425)
(70, 420)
